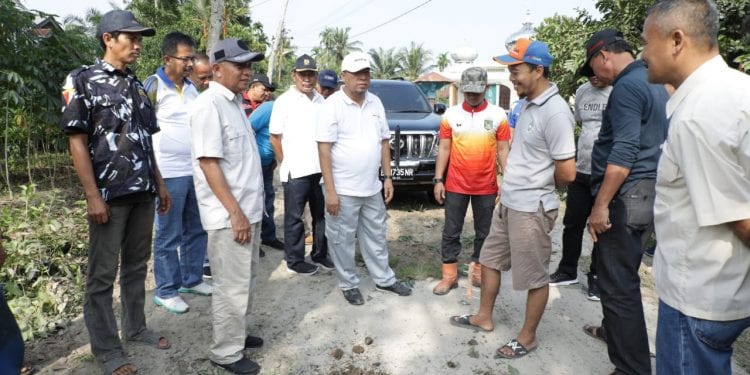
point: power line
(260, 3)
(391, 20)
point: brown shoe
(476, 275)
(309, 239)
(449, 281)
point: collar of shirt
(637, 64)
(704, 72)
(548, 93)
(221, 89)
(350, 101)
(481, 107)
(164, 77)
(109, 68)
(316, 96)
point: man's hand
(387, 190)
(240, 227)
(332, 203)
(599, 221)
(165, 200)
(439, 191)
(97, 209)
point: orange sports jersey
(474, 133)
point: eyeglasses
(185, 59)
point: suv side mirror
(439, 108)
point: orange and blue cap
(527, 51)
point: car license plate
(400, 173)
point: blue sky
(441, 25)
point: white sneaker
(202, 289)
(175, 304)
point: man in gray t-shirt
(542, 156)
(591, 100)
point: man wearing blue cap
(328, 82)
(542, 157)
(229, 187)
(109, 121)
(623, 178)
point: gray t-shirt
(590, 103)
(544, 133)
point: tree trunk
(7, 125)
(215, 23)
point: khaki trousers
(233, 268)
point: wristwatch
(436, 180)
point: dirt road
(310, 329)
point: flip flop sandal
(596, 332)
(462, 321)
(115, 364)
(150, 338)
(518, 350)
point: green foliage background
(567, 35)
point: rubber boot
(449, 281)
(476, 275)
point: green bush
(46, 243)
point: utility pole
(277, 43)
(216, 22)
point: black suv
(414, 125)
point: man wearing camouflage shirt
(109, 121)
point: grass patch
(419, 270)
(85, 357)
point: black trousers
(631, 215)
(577, 210)
(297, 192)
(456, 205)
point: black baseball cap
(599, 40)
(123, 21)
(263, 79)
(233, 50)
(305, 62)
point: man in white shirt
(293, 138)
(229, 186)
(179, 241)
(702, 206)
(353, 136)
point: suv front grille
(414, 146)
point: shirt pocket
(234, 141)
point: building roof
(433, 77)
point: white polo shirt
(357, 134)
(701, 267)
(221, 130)
(172, 143)
(294, 117)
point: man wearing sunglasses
(229, 187)
(172, 95)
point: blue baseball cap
(328, 78)
(527, 51)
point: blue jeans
(687, 345)
(631, 214)
(297, 192)
(11, 342)
(268, 227)
(180, 228)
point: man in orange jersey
(473, 138)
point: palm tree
(385, 63)
(443, 61)
(334, 45)
(414, 60)
(87, 23)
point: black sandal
(596, 332)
